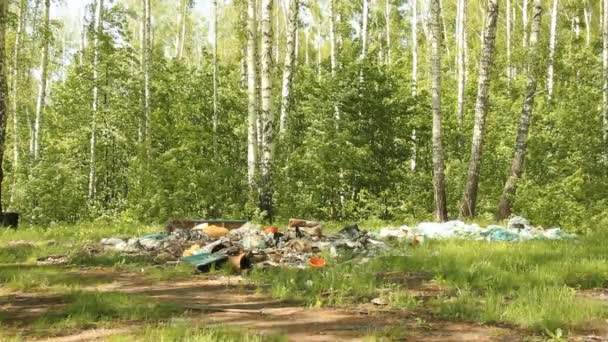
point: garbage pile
(206, 246)
(518, 229)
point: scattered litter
(379, 301)
(316, 262)
(518, 229)
(206, 246)
(52, 260)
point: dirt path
(229, 301)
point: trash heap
(518, 229)
(206, 246)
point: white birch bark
(215, 118)
(14, 99)
(605, 74)
(41, 101)
(414, 38)
(3, 88)
(486, 62)
(517, 165)
(92, 170)
(266, 109)
(252, 117)
(524, 20)
(509, 27)
(182, 31)
(441, 212)
(462, 8)
(587, 15)
(387, 15)
(288, 70)
(552, 44)
(364, 23)
(307, 43)
(332, 38)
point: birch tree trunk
(332, 37)
(364, 22)
(147, 60)
(524, 21)
(414, 38)
(40, 103)
(14, 99)
(98, 21)
(441, 211)
(552, 43)
(215, 119)
(486, 62)
(517, 166)
(252, 104)
(307, 43)
(587, 14)
(414, 24)
(460, 40)
(182, 32)
(288, 71)
(267, 117)
(605, 73)
(387, 16)
(509, 26)
(3, 88)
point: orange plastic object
(316, 262)
(271, 230)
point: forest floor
(443, 291)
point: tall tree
(486, 62)
(15, 83)
(288, 70)
(587, 15)
(524, 21)
(97, 33)
(387, 16)
(364, 24)
(414, 24)
(517, 165)
(552, 43)
(461, 46)
(3, 88)
(266, 109)
(252, 105)
(215, 118)
(509, 24)
(44, 66)
(414, 38)
(441, 211)
(146, 64)
(605, 74)
(183, 25)
(332, 37)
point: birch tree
(266, 110)
(3, 88)
(146, 61)
(14, 99)
(98, 21)
(552, 44)
(486, 62)
(332, 37)
(215, 118)
(460, 44)
(517, 165)
(524, 21)
(252, 104)
(441, 211)
(44, 65)
(605, 73)
(414, 39)
(387, 16)
(414, 24)
(364, 24)
(288, 70)
(183, 25)
(509, 25)
(587, 15)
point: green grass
(189, 331)
(531, 285)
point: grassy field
(534, 286)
